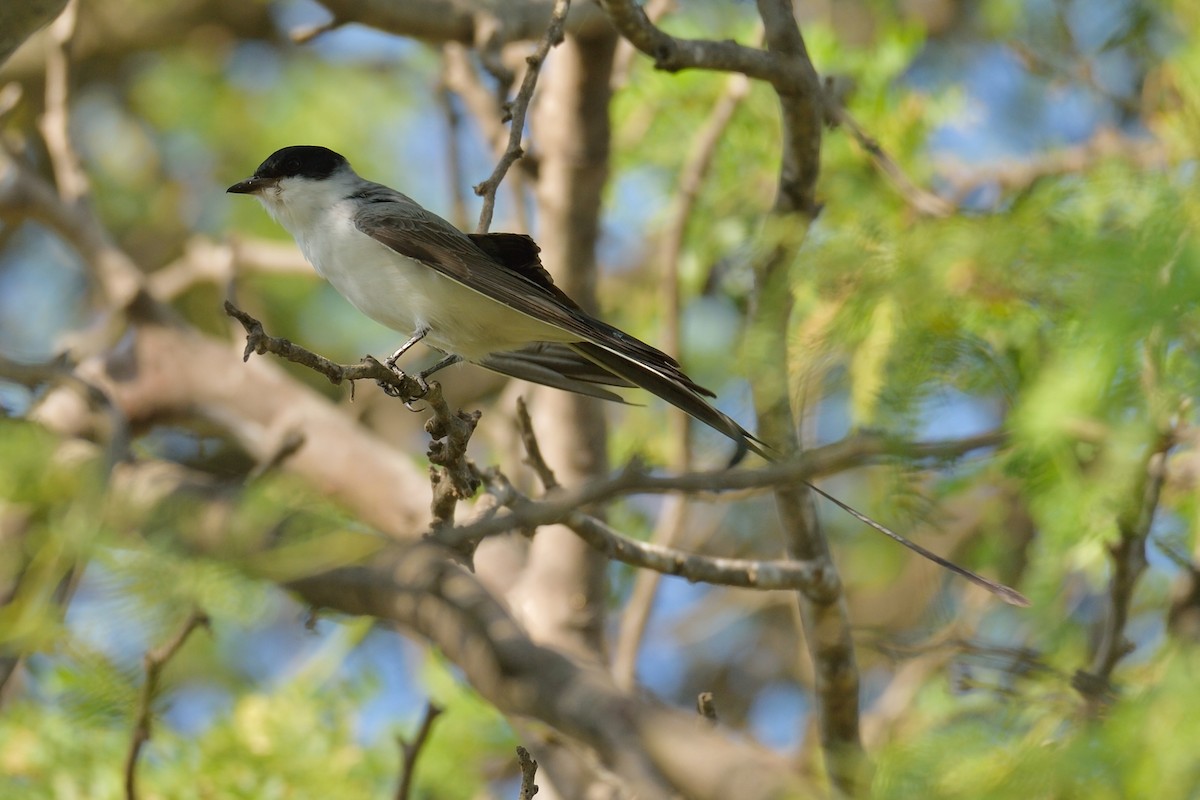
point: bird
(484, 298)
(481, 298)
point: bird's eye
(292, 166)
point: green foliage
(1040, 748)
(1067, 313)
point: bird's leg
(445, 362)
(417, 336)
(425, 373)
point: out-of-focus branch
(658, 751)
(706, 707)
(306, 33)
(153, 662)
(206, 261)
(1007, 177)
(410, 750)
(454, 156)
(922, 201)
(440, 21)
(517, 110)
(1128, 555)
(19, 21)
(683, 202)
(54, 122)
(61, 372)
(109, 32)
(24, 195)
(164, 371)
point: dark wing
(679, 394)
(506, 268)
(520, 253)
(399, 223)
(558, 366)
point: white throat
(300, 204)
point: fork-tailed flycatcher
(483, 298)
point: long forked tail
(1005, 593)
(667, 381)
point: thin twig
(634, 479)
(528, 773)
(742, 573)
(289, 444)
(922, 201)
(533, 451)
(519, 108)
(410, 750)
(153, 662)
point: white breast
(403, 294)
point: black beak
(252, 185)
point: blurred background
(1030, 278)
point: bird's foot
(409, 398)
